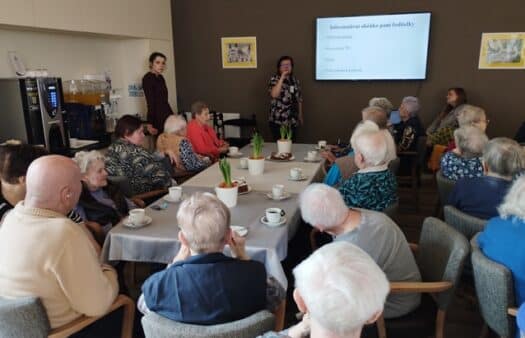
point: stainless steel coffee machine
(31, 111)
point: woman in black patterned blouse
(127, 157)
(286, 107)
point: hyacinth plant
(286, 132)
(257, 143)
(226, 172)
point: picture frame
(239, 52)
(502, 51)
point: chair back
(156, 326)
(464, 223)
(218, 123)
(441, 255)
(23, 317)
(495, 291)
(421, 149)
(445, 187)
(393, 166)
(247, 127)
(391, 210)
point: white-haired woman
(470, 115)
(409, 128)
(503, 239)
(101, 204)
(174, 139)
(383, 103)
(374, 186)
(465, 160)
(480, 196)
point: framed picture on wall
(239, 52)
(502, 51)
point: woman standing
(156, 93)
(286, 107)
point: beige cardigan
(44, 254)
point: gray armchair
(156, 326)
(464, 223)
(445, 187)
(440, 256)
(23, 318)
(495, 291)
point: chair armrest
(78, 324)
(150, 194)
(419, 287)
(279, 314)
(512, 311)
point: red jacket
(204, 139)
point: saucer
(126, 222)
(284, 196)
(265, 222)
(167, 198)
(240, 230)
(302, 178)
(237, 154)
(246, 192)
(270, 158)
(315, 160)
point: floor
(463, 319)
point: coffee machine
(32, 111)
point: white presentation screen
(376, 47)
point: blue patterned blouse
(374, 190)
(455, 167)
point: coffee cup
(137, 216)
(243, 162)
(311, 155)
(296, 173)
(322, 144)
(277, 190)
(175, 193)
(233, 150)
(273, 215)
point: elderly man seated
(465, 159)
(45, 254)
(480, 196)
(202, 285)
(374, 186)
(323, 207)
(340, 289)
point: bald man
(44, 254)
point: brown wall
(332, 107)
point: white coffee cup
(175, 193)
(137, 216)
(243, 162)
(273, 215)
(311, 155)
(322, 144)
(277, 190)
(233, 150)
(296, 173)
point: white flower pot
(284, 146)
(228, 196)
(256, 166)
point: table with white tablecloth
(158, 242)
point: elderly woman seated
(202, 136)
(465, 160)
(101, 203)
(127, 157)
(200, 272)
(373, 186)
(470, 115)
(174, 139)
(340, 289)
(344, 167)
(503, 239)
(480, 196)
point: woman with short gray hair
(174, 138)
(503, 239)
(480, 196)
(470, 115)
(465, 160)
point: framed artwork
(239, 52)
(502, 51)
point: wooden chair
(495, 292)
(218, 123)
(247, 127)
(440, 256)
(26, 317)
(417, 162)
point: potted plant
(284, 145)
(227, 190)
(256, 161)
